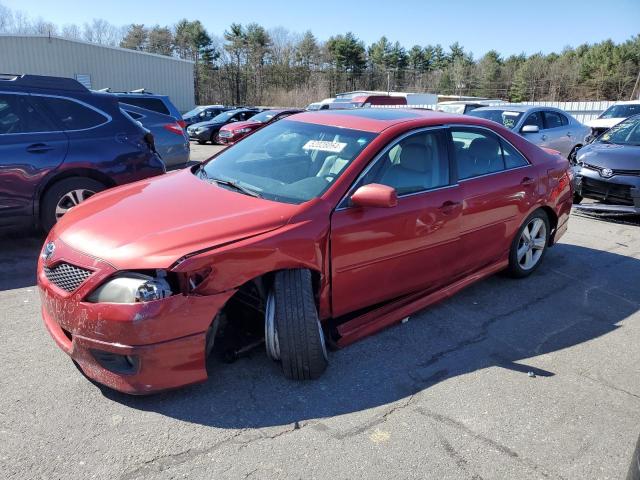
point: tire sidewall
(514, 265)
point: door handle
(449, 206)
(543, 137)
(527, 181)
(569, 134)
(39, 148)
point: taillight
(174, 128)
(182, 123)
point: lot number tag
(324, 146)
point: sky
(511, 27)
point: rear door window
(153, 104)
(18, 115)
(477, 152)
(71, 115)
(554, 119)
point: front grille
(615, 171)
(607, 191)
(225, 134)
(66, 276)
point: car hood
(237, 125)
(607, 155)
(603, 122)
(153, 223)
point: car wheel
(64, 195)
(577, 198)
(529, 245)
(293, 334)
(573, 155)
(202, 142)
(214, 139)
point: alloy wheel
(71, 199)
(532, 243)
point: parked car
(204, 132)
(612, 116)
(608, 169)
(150, 101)
(545, 126)
(460, 106)
(316, 228)
(232, 132)
(203, 113)
(171, 140)
(60, 144)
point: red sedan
(317, 230)
(232, 132)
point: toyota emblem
(606, 172)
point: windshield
(288, 161)
(505, 118)
(224, 116)
(263, 117)
(626, 132)
(193, 112)
(621, 111)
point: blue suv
(61, 143)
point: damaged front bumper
(137, 348)
(615, 194)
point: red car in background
(232, 132)
(321, 228)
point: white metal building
(99, 66)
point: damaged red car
(311, 233)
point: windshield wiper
(235, 185)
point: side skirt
(390, 313)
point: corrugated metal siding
(582, 111)
(117, 68)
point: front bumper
(165, 337)
(202, 135)
(618, 193)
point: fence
(582, 111)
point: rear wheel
(293, 334)
(201, 142)
(65, 195)
(530, 245)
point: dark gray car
(171, 140)
(608, 170)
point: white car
(612, 116)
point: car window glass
(534, 118)
(154, 104)
(477, 153)
(415, 164)
(553, 119)
(72, 115)
(512, 158)
(17, 115)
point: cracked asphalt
(447, 395)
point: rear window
(70, 114)
(505, 118)
(153, 104)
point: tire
(65, 194)
(577, 198)
(522, 265)
(298, 335)
(213, 139)
(201, 142)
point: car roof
(374, 120)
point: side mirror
(530, 129)
(375, 195)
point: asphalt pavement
(510, 379)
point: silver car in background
(171, 140)
(545, 126)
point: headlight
(132, 287)
(242, 130)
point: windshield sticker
(324, 146)
(511, 114)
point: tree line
(249, 64)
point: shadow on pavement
(578, 294)
(19, 257)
